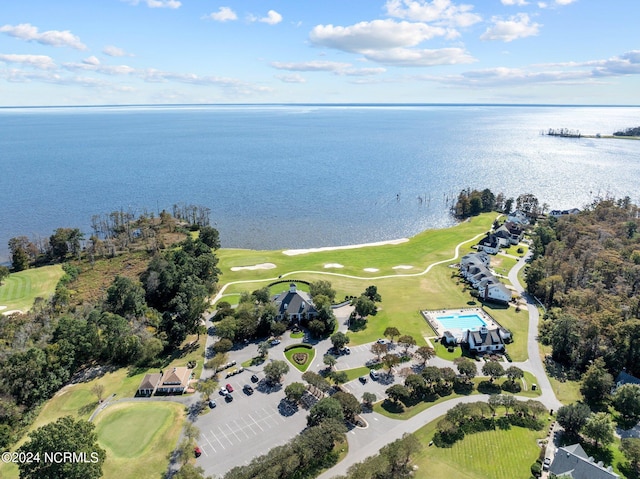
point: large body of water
(301, 176)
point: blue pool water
(465, 321)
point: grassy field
(19, 290)
(310, 352)
(485, 455)
(138, 437)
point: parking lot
(235, 432)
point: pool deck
(431, 316)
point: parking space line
(248, 425)
(256, 422)
(224, 434)
(241, 428)
(209, 442)
(233, 432)
(218, 439)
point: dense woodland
(628, 132)
(586, 271)
(136, 320)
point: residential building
(572, 461)
(484, 340)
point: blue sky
(81, 52)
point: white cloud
(112, 51)
(408, 57)
(517, 26)
(440, 12)
(312, 66)
(565, 2)
(92, 60)
(361, 72)
(520, 3)
(157, 3)
(224, 14)
(272, 18)
(295, 78)
(55, 38)
(42, 62)
(375, 35)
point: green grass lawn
(517, 323)
(485, 455)
(19, 290)
(356, 372)
(502, 264)
(310, 352)
(138, 437)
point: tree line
(586, 272)
(473, 202)
(138, 322)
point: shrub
(299, 345)
(536, 469)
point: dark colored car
(247, 389)
(254, 378)
(363, 379)
(212, 404)
(197, 451)
(228, 398)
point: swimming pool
(462, 321)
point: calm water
(300, 176)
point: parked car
(212, 404)
(247, 389)
(197, 451)
(374, 374)
(546, 464)
(363, 379)
(275, 342)
(254, 378)
(382, 341)
(228, 397)
(346, 350)
(223, 391)
(229, 388)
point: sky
(97, 52)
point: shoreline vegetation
(628, 134)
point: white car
(223, 391)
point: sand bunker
(403, 266)
(254, 267)
(371, 270)
(12, 311)
(294, 252)
(333, 265)
(2, 307)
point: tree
(626, 401)
(263, 349)
(596, 383)
(389, 361)
(222, 346)
(425, 353)
(573, 417)
(226, 329)
(379, 349)
(189, 471)
(339, 377)
(466, 367)
(350, 404)
(207, 387)
(514, 373)
(98, 390)
(316, 380)
(294, 391)
(323, 288)
(4, 273)
(630, 447)
(210, 237)
(391, 332)
(274, 371)
(22, 252)
(416, 383)
(599, 428)
(329, 360)
(364, 306)
(372, 293)
(493, 369)
(339, 340)
(277, 328)
(398, 455)
(368, 399)
(406, 341)
(325, 409)
(217, 361)
(125, 298)
(398, 393)
(191, 431)
(66, 434)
